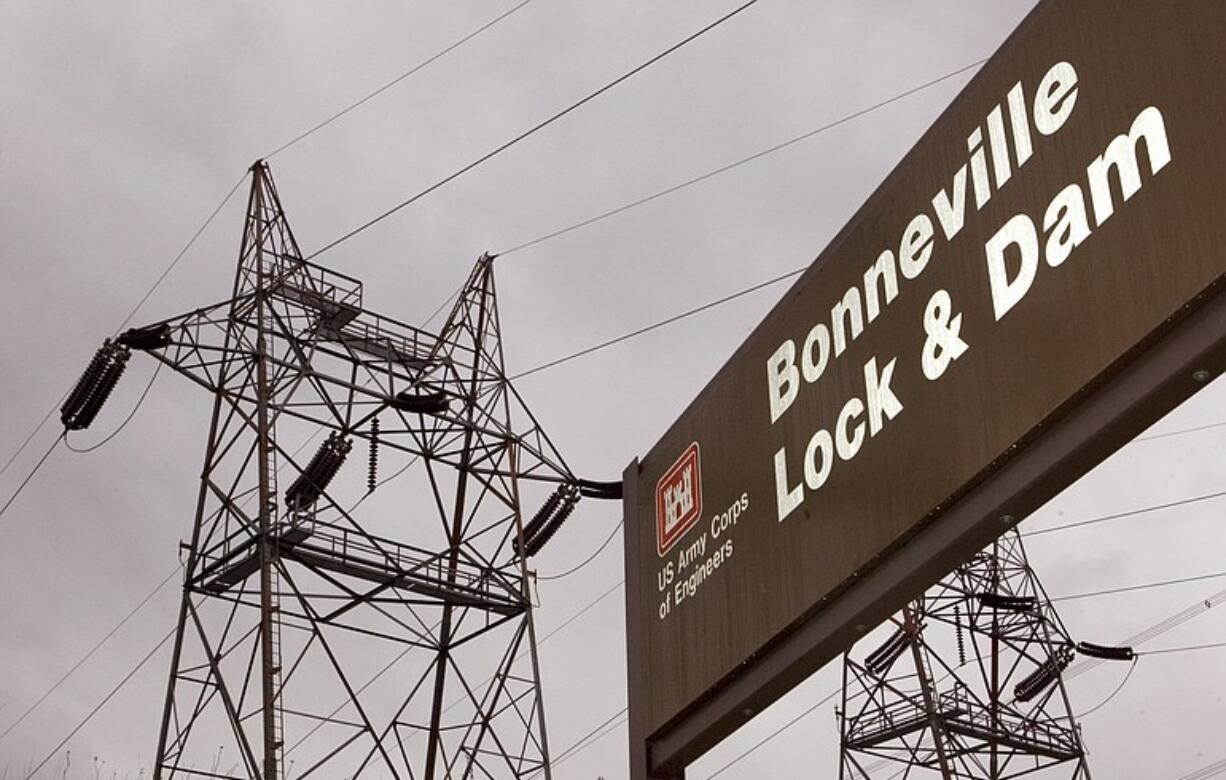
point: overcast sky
(123, 124)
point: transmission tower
(334, 622)
(968, 683)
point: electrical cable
(1205, 772)
(1177, 621)
(1154, 631)
(579, 745)
(1180, 432)
(442, 306)
(157, 370)
(33, 471)
(1147, 586)
(660, 324)
(34, 432)
(774, 734)
(716, 172)
(744, 160)
(591, 740)
(535, 128)
(102, 703)
(428, 61)
(1144, 636)
(182, 252)
(1150, 633)
(588, 351)
(88, 655)
(157, 283)
(1184, 649)
(587, 560)
(1130, 513)
(405, 652)
(1131, 668)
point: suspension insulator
(545, 512)
(534, 545)
(419, 403)
(881, 659)
(146, 338)
(1007, 603)
(960, 636)
(94, 386)
(1047, 673)
(548, 519)
(372, 474)
(314, 479)
(1105, 652)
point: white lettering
(782, 379)
(1019, 120)
(846, 311)
(848, 445)
(916, 246)
(1020, 232)
(1055, 98)
(818, 337)
(882, 403)
(952, 216)
(820, 442)
(1121, 155)
(786, 499)
(1066, 225)
(882, 270)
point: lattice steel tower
(328, 629)
(968, 683)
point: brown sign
(1037, 280)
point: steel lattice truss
(335, 631)
(967, 685)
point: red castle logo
(678, 499)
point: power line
(419, 66)
(588, 559)
(405, 652)
(157, 370)
(716, 172)
(774, 734)
(30, 476)
(101, 704)
(182, 252)
(1148, 634)
(593, 739)
(1130, 513)
(1204, 773)
(1140, 638)
(535, 128)
(586, 740)
(1155, 436)
(87, 656)
(581, 612)
(37, 428)
(157, 283)
(1147, 586)
(1154, 631)
(744, 160)
(668, 321)
(1132, 667)
(592, 736)
(1184, 649)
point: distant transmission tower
(328, 628)
(968, 684)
